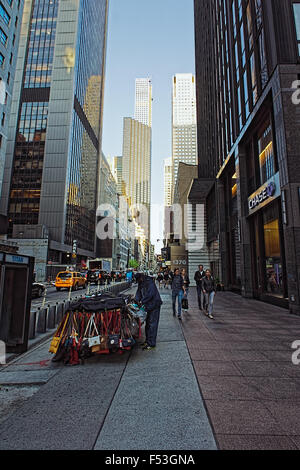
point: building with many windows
(52, 168)
(10, 23)
(184, 120)
(168, 178)
(143, 101)
(247, 72)
(137, 170)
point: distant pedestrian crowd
(179, 283)
(148, 297)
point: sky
(146, 38)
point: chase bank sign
(264, 195)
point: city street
(227, 383)
(52, 296)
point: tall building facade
(10, 25)
(118, 174)
(143, 101)
(247, 63)
(184, 122)
(52, 169)
(137, 167)
(168, 178)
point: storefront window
(274, 279)
(266, 156)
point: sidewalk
(136, 401)
(243, 363)
(227, 383)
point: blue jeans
(209, 301)
(176, 294)
(151, 327)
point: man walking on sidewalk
(198, 278)
(148, 295)
(177, 292)
(209, 291)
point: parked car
(37, 290)
(70, 280)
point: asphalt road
(52, 296)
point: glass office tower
(10, 23)
(52, 163)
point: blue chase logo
(264, 194)
(271, 189)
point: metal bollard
(51, 317)
(42, 321)
(32, 325)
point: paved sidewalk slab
(138, 400)
(158, 404)
(26, 378)
(243, 364)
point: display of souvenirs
(101, 324)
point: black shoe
(179, 318)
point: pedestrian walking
(166, 279)
(148, 296)
(129, 277)
(186, 285)
(177, 292)
(159, 279)
(209, 291)
(199, 275)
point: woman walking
(209, 291)
(177, 292)
(186, 285)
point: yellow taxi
(70, 280)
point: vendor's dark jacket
(208, 285)
(148, 294)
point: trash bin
(16, 275)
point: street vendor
(148, 296)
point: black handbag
(185, 304)
(114, 336)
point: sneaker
(144, 344)
(148, 348)
(211, 317)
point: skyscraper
(168, 178)
(10, 21)
(118, 174)
(137, 166)
(143, 101)
(184, 129)
(247, 69)
(52, 166)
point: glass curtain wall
(32, 124)
(83, 170)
